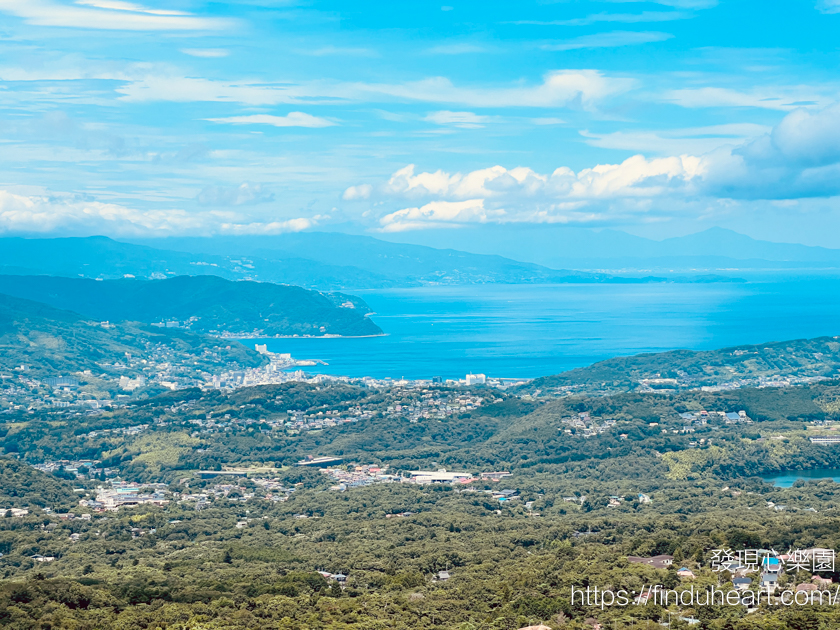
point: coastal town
(165, 370)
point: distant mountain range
(320, 260)
(202, 304)
(712, 250)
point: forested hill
(203, 304)
(52, 342)
(783, 362)
(22, 486)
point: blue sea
(528, 331)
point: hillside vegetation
(781, 362)
(53, 342)
(22, 486)
(203, 304)
(230, 554)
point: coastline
(300, 336)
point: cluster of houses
(765, 562)
(359, 476)
(702, 417)
(274, 489)
(584, 425)
(124, 431)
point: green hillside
(52, 342)
(204, 304)
(685, 369)
(22, 486)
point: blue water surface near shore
(786, 480)
(528, 331)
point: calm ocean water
(528, 331)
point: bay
(522, 331)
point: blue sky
(404, 119)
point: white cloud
(502, 195)
(272, 227)
(67, 214)
(293, 119)
(797, 159)
(438, 214)
(143, 82)
(464, 120)
(207, 53)
(117, 5)
(481, 183)
(558, 89)
(243, 195)
(678, 4)
(109, 15)
(695, 140)
(627, 18)
(357, 193)
(828, 6)
(784, 98)
(636, 176)
(614, 39)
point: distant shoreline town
(280, 364)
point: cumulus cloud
(357, 193)
(22, 213)
(438, 214)
(243, 195)
(499, 194)
(796, 159)
(293, 119)
(272, 227)
(799, 158)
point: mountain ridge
(54, 342)
(204, 304)
(608, 249)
